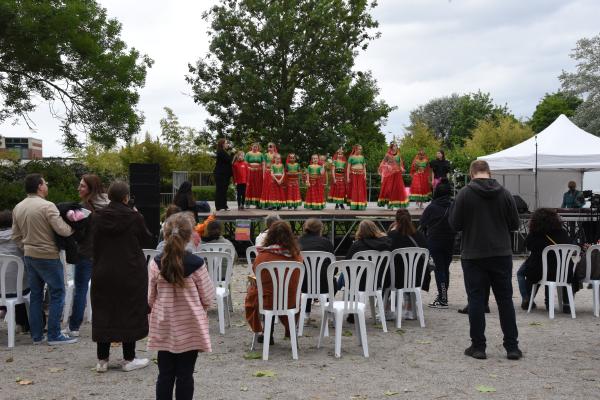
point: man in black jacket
(486, 214)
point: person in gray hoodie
(486, 215)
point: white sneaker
(62, 339)
(136, 363)
(102, 366)
(70, 333)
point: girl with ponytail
(179, 294)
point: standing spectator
(440, 239)
(93, 199)
(440, 168)
(119, 279)
(223, 173)
(572, 198)
(240, 178)
(35, 223)
(179, 295)
(486, 215)
(269, 220)
(184, 199)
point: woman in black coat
(119, 291)
(223, 173)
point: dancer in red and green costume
(276, 196)
(420, 188)
(267, 181)
(396, 195)
(292, 177)
(337, 191)
(355, 175)
(315, 196)
(255, 160)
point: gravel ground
(561, 360)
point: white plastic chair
(313, 263)
(594, 282)
(374, 293)
(351, 303)
(412, 257)
(69, 271)
(221, 279)
(8, 261)
(565, 259)
(251, 253)
(281, 274)
(149, 254)
(225, 247)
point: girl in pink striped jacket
(179, 293)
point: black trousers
(103, 351)
(479, 275)
(441, 253)
(221, 185)
(241, 195)
(176, 367)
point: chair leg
(323, 299)
(399, 300)
(339, 321)
(254, 340)
(357, 330)
(393, 300)
(227, 314)
(559, 295)
(372, 306)
(419, 304)
(551, 291)
(10, 319)
(533, 289)
(69, 288)
(596, 297)
(381, 306)
(221, 311)
(267, 335)
(324, 323)
(293, 338)
(571, 300)
(303, 298)
(363, 333)
(88, 306)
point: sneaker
(136, 363)
(62, 339)
(437, 303)
(38, 342)
(102, 366)
(515, 354)
(477, 354)
(70, 333)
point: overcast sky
(514, 49)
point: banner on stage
(242, 230)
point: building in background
(26, 148)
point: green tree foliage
(68, 53)
(418, 136)
(437, 115)
(490, 137)
(551, 107)
(281, 71)
(585, 83)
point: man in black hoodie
(486, 214)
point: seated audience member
(9, 247)
(214, 234)
(312, 240)
(572, 198)
(171, 209)
(260, 239)
(280, 245)
(184, 199)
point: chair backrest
(588, 261)
(565, 255)
(219, 271)
(352, 271)
(149, 255)
(313, 263)
(6, 262)
(225, 247)
(251, 253)
(411, 257)
(281, 274)
(381, 259)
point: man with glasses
(35, 221)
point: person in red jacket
(240, 177)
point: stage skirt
(397, 197)
(266, 189)
(337, 190)
(357, 192)
(292, 197)
(420, 191)
(276, 197)
(254, 188)
(315, 195)
(384, 193)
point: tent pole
(536, 173)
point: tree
(68, 53)
(417, 137)
(551, 107)
(490, 136)
(585, 83)
(437, 115)
(281, 71)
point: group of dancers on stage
(263, 180)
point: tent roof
(562, 145)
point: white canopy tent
(563, 152)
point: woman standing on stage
(255, 159)
(440, 167)
(315, 196)
(420, 189)
(223, 173)
(355, 175)
(337, 191)
(292, 174)
(397, 197)
(276, 196)
(267, 160)
(385, 170)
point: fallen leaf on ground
(24, 381)
(265, 374)
(400, 331)
(9, 359)
(244, 389)
(155, 361)
(347, 333)
(423, 342)
(493, 376)
(390, 393)
(54, 370)
(252, 355)
(535, 323)
(485, 389)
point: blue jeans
(50, 272)
(83, 273)
(523, 289)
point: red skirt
(315, 195)
(397, 194)
(420, 190)
(292, 197)
(357, 193)
(384, 193)
(337, 190)
(254, 187)
(266, 189)
(276, 197)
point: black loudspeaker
(144, 184)
(521, 205)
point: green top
(314, 169)
(268, 158)
(421, 164)
(254, 158)
(277, 169)
(293, 168)
(398, 159)
(339, 165)
(356, 160)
